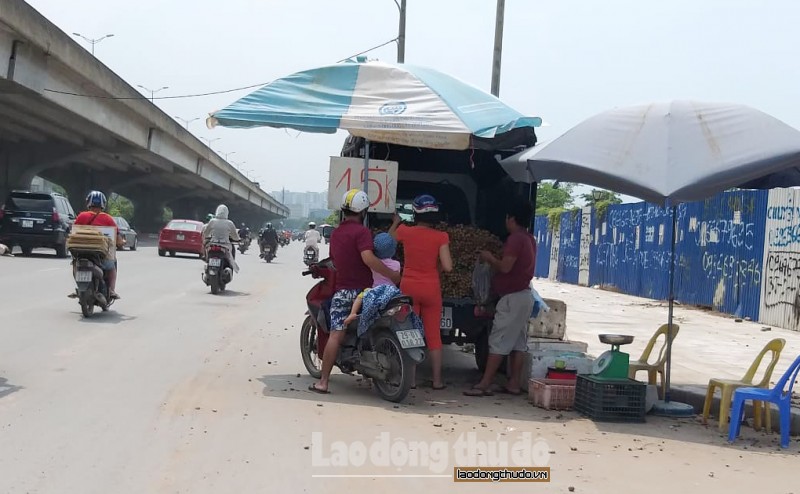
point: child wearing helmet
(385, 248)
(352, 255)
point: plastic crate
(552, 394)
(606, 400)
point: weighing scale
(613, 364)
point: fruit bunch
(465, 243)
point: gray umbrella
(679, 151)
(669, 153)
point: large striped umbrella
(398, 104)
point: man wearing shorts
(351, 252)
(514, 272)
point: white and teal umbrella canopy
(397, 104)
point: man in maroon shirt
(351, 252)
(514, 272)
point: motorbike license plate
(83, 276)
(215, 262)
(27, 223)
(447, 318)
(410, 338)
(180, 238)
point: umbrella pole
(671, 303)
(666, 407)
(366, 177)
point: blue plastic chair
(777, 395)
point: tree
(333, 219)
(605, 196)
(553, 197)
(120, 206)
(604, 199)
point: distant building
(319, 214)
(301, 204)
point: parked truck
(473, 189)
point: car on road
(127, 232)
(181, 236)
(36, 219)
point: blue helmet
(425, 203)
(96, 199)
(384, 246)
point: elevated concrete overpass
(116, 140)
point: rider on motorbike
(352, 255)
(244, 232)
(221, 231)
(268, 236)
(313, 237)
(95, 216)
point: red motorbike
(385, 353)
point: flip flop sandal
(313, 388)
(504, 390)
(478, 392)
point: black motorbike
(267, 252)
(92, 285)
(218, 271)
(385, 353)
(310, 256)
(244, 244)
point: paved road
(176, 390)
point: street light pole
(209, 141)
(93, 41)
(153, 91)
(186, 122)
(401, 35)
(498, 46)
(228, 154)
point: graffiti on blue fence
(782, 281)
(742, 272)
(726, 232)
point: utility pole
(401, 35)
(498, 46)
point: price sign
(349, 173)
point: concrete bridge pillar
(148, 213)
(189, 209)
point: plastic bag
(538, 304)
(481, 283)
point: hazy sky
(563, 60)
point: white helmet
(355, 201)
(312, 224)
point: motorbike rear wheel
(308, 349)
(87, 303)
(398, 363)
(215, 284)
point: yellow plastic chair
(728, 386)
(655, 369)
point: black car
(35, 219)
(127, 232)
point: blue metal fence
(569, 242)
(544, 239)
(719, 250)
